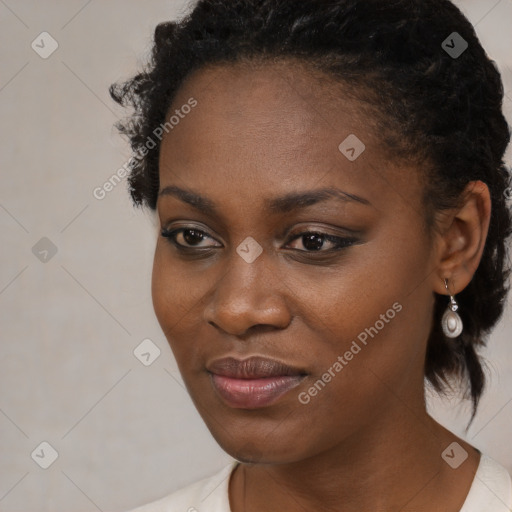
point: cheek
(377, 312)
(178, 293)
(165, 291)
(173, 290)
(169, 291)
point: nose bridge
(246, 294)
(245, 279)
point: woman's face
(336, 286)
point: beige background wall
(125, 433)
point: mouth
(254, 382)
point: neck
(393, 464)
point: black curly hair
(440, 111)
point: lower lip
(253, 393)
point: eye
(314, 241)
(189, 238)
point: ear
(461, 239)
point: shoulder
(210, 494)
(491, 488)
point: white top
(491, 491)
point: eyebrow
(284, 204)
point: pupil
(195, 236)
(313, 242)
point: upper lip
(255, 367)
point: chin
(257, 449)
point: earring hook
(453, 303)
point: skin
(365, 442)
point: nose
(248, 296)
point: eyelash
(340, 242)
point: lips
(254, 382)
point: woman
(332, 198)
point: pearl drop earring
(451, 321)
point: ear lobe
(464, 237)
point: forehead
(274, 126)
(289, 93)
